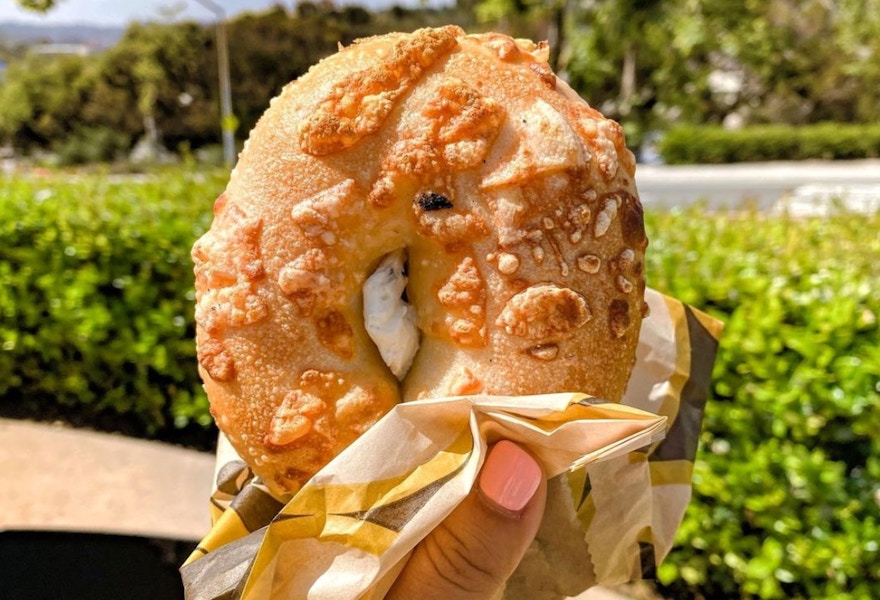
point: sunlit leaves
(787, 483)
(37, 5)
(96, 297)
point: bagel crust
(514, 202)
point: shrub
(688, 144)
(787, 483)
(96, 319)
(92, 145)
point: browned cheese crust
(516, 205)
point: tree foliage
(48, 98)
(41, 98)
(651, 63)
(647, 63)
(37, 5)
(163, 76)
(701, 61)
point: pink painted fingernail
(510, 476)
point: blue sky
(120, 12)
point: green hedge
(787, 483)
(96, 325)
(96, 319)
(691, 144)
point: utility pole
(227, 119)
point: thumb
(476, 548)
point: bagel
(461, 159)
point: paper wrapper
(617, 492)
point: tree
(650, 63)
(800, 61)
(37, 5)
(40, 98)
(167, 71)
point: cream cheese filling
(390, 321)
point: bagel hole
(389, 319)
(404, 296)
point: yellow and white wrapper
(619, 484)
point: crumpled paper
(619, 484)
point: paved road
(763, 184)
(62, 479)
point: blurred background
(757, 127)
(99, 80)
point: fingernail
(510, 476)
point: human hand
(470, 555)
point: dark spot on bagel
(429, 201)
(335, 334)
(618, 317)
(633, 222)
